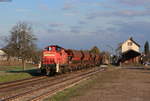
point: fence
(11, 61)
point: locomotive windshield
(48, 48)
(58, 48)
(53, 48)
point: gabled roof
(131, 40)
(134, 41)
(2, 52)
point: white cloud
(56, 24)
(68, 6)
(44, 7)
(118, 13)
(22, 10)
(134, 2)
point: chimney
(131, 38)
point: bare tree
(95, 49)
(21, 42)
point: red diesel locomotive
(56, 59)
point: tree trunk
(24, 64)
(8, 57)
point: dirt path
(119, 85)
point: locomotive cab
(53, 57)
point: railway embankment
(123, 84)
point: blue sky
(80, 24)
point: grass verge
(70, 92)
(14, 68)
(11, 73)
(6, 77)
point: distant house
(3, 55)
(5, 61)
(129, 52)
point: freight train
(56, 59)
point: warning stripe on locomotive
(49, 54)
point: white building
(129, 44)
(129, 51)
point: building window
(129, 43)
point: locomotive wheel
(54, 71)
(43, 71)
(48, 72)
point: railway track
(27, 86)
(10, 86)
(52, 86)
(66, 84)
